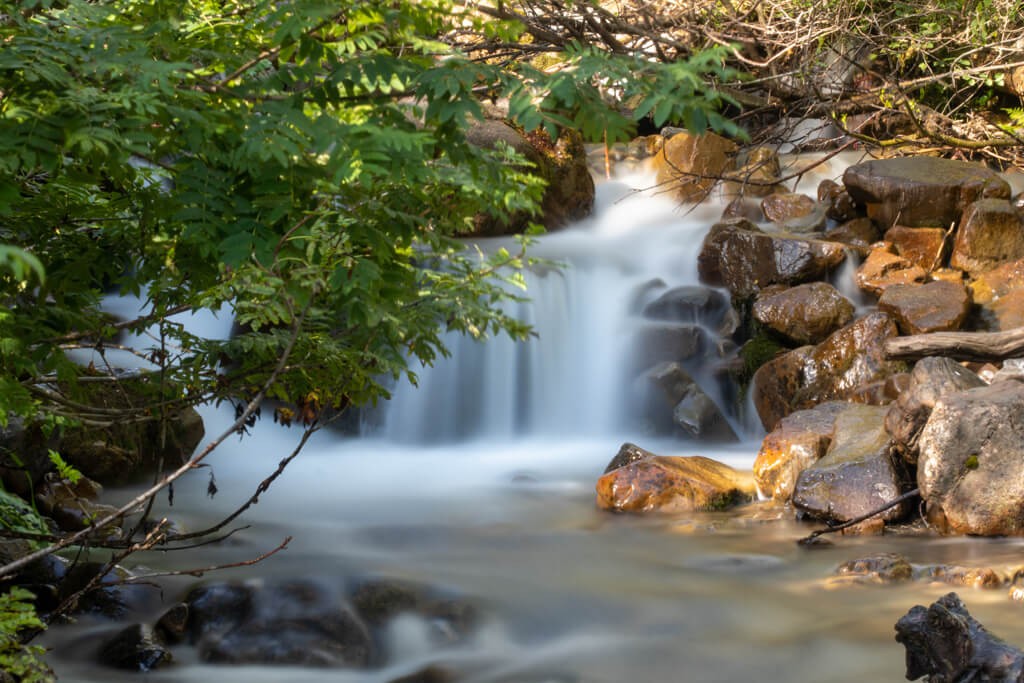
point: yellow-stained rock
(666, 483)
(689, 165)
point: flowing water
(481, 482)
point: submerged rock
(971, 464)
(137, 648)
(673, 484)
(920, 191)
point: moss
(757, 351)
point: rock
(172, 626)
(690, 304)
(931, 307)
(945, 643)
(297, 622)
(921, 246)
(931, 379)
(882, 269)
(804, 314)
(779, 208)
(856, 475)
(673, 484)
(797, 442)
(838, 202)
(989, 285)
(881, 392)
(1003, 314)
(658, 342)
(136, 648)
(991, 233)
(920, 191)
(699, 416)
(569, 194)
(669, 398)
(759, 175)
(32, 447)
(111, 598)
(628, 453)
(739, 256)
(881, 568)
(689, 165)
(970, 577)
(743, 207)
(860, 233)
(971, 464)
(834, 369)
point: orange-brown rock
(797, 442)
(741, 257)
(920, 191)
(882, 269)
(804, 314)
(997, 282)
(779, 208)
(932, 307)
(759, 174)
(857, 232)
(666, 483)
(921, 246)
(1004, 313)
(839, 203)
(834, 369)
(689, 165)
(991, 233)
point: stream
(481, 482)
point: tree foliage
(302, 163)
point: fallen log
(948, 645)
(976, 346)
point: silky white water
(481, 482)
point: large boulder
(835, 369)
(736, 254)
(689, 165)
(971, 464)
(562, 164)
(920, 191)
(667, 483)
(991, 233)
(932, 307)
(796, 443)
(931, 379)
(804, 314)
(856, 475)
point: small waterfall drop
(573, 378)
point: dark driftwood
(948, 645)
(979, 346)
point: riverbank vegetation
(306, 167)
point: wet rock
(931, 379)
(991, 233)
(797, 442)
(301, 623)
(746, 208)
(779, 208)
(699, 416)
(945, 643)
(856, 475)
(658, 342)
(839, 204)
(172, 626)
(628, 453)
(930, 307)
(217, 608)
(881, 392)
(857, 232)
(921, 246)
(673, 484)
(670, 399)
(880, 568)
(110, 598)
(1002, 314)
(758, 176)
(804, 314)
(689, 165)
(136, 648)
(569, 194)
(968, 577)
(690, 304)
(72, 505)
(1001, 280)
(430, 674)
(882, 269)
(742, 258)
(920, 191)
(834, 369)
(971, 464)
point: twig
(807, 540)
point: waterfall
(575, 377)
